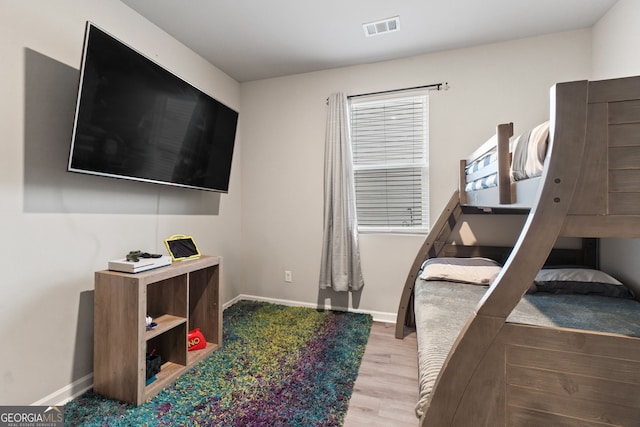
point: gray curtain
(340, 265)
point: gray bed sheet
(443, 308)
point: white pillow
(475, 271)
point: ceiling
(258, 39)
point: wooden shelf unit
(180, 297)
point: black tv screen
(137, 120)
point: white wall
(58, 228)
(283, 143)
(616, 47)
(616, 42)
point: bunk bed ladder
(431, 248)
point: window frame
(422, 163)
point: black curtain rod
(436, 85)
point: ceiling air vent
(380, 27)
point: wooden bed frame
(500, 373)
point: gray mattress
(442, 309)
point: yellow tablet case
(181, 247)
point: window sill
(413, 231)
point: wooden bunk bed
(498, 370)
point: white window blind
(389, 138)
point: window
(389, 136)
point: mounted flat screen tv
(137, 120)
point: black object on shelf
(154, 362)
(134, 256)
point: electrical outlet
(287, 276)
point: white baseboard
(378, 316)
(67, 393)
(76, 388)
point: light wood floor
(386, 390)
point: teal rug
(278, 366)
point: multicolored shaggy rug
(279, 366)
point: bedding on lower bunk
(571, 299)
(528, 153)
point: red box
(195, 340)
